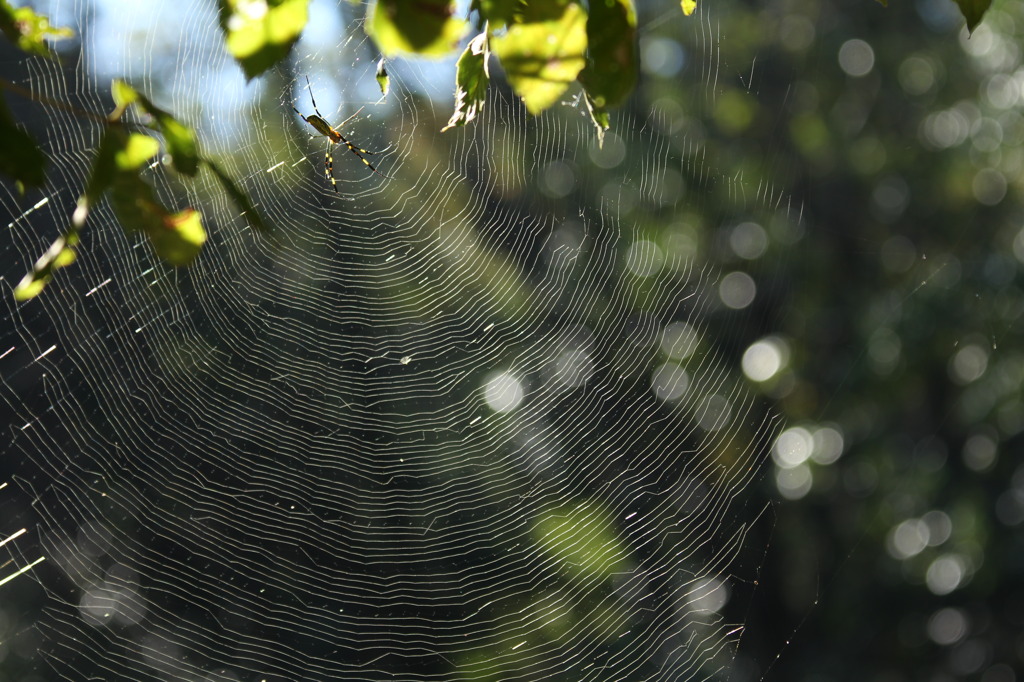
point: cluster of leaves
(543, 46)
(176, 237)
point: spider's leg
(312, 99)
(359, 152)
(342, 124)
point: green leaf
(383, 79)
(689, 6)
(104, 169)
(176, 238)
(28, 30)
(180, 139)
(20, 156)
(472, 75)
(181, 143)
(424, 27)
(60, 254)
(124, 96)
(611, 71)
(542, 56)
(137, 150)
(498, 13)
(973, 11)
(238, 196)
(182, 238)
(260, 33)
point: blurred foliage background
(898, 307)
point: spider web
(481, 420)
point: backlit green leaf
(60, 254)
(179, 138)
(383, 79)
(472, 75)
(176, 238)
(28, 30)
(541, 57)
(260, 33)
(424, 27)
(137, 150)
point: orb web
(483, 419)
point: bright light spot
(945, 129)
(763, 359)
(979, 42)
(610, 154)
(898, 254)
(572, 368)
(670, 381)
(947, 626)
(907, 539)
(794, 483)
(1010, 507)
(856, 58)
(986, 135)
(989, 186)
(715, 413)
(917, 75)
(93, 539)
(565, 245)
(796, 32)
(557, 180)
(667, 187)
(709, 594)
(503, 392)
(1002, 91)
(793, 447)
(737, 290)
(661, 56)
(979, 452)
(946, 573)
(748, 240)
(644, 258)
(679, 340)
(884, 349)
(683, 240)
(253, 9)
(97, 606)
(828, 445)
(940, 527)
(890, 197)
(1018, 246)
(969, 363)
(113, 600)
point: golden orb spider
(334, 137)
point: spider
(334, 137)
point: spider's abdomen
(323, 127)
